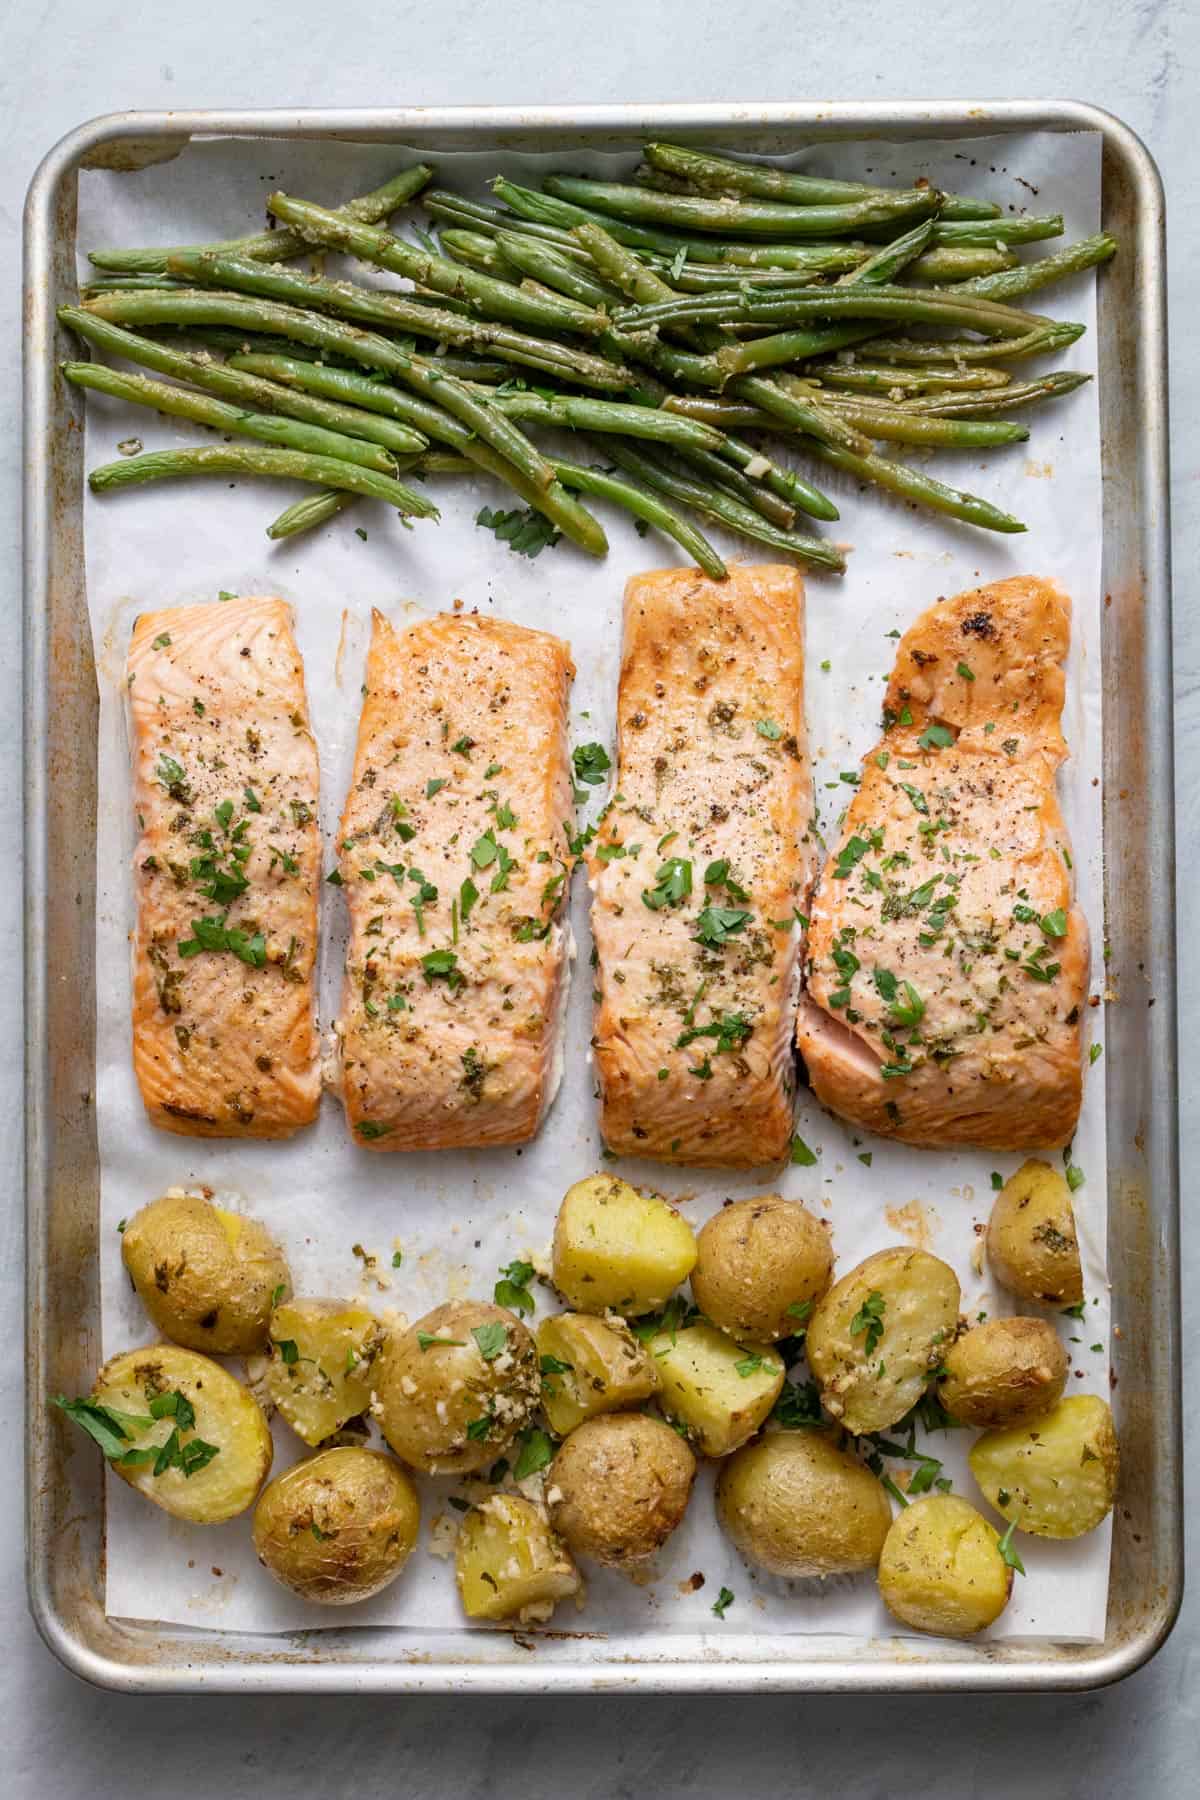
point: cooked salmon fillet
(226, 870)
(702, 865)
(455, 859)
(948, 965)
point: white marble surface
(62, 61)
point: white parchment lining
(459, 1217)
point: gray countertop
(62, 61)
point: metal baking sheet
(65, 1563)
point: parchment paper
(459, 1217)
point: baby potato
(615, 1248)
(454, 1390)
(876, 1335)
(1057, 1475)
(321, 1361)
(941, 1569)
(619, 1486)
(1004, 1371)
(1032, 1249)
(761, 1264)
(509, 1564)
(796, 1504)
(590, 1366)
(720, 1390)
(338, 1527)
(204, 1448)
(207, 1277)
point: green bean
(234, 384)
(884, 265)
(784, 482)
(273, 246)
(181, 403)
(960, 262)
(644, 506)
(478, 216)
(385, 251)
(863, 301)
(987, 233)
(1028, 277)
(910, 484)
(251, 459)
(125, 284)
(306, 514)
(731, 480)
(702, 277)
(1046, 387)
(545, 263)
(967, 350)
(726, 415)
(884, 377)
(902, 425)
(766, 181)
(435, 421)
(799, 409)
(477, 252)
(577, 413)
(747, 218)
(443, 462)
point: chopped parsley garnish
(591, 763)
(214, 934)
(723, 1602)
(251, 800)
(935, 737)
(869, 1319)
(730, 1030)
(917, 797)
(901, 998)
(1005, 1547)
(371, 1129)
(512, 1289)
(798, 1406)
(536, 1452)
(715, 925)
(427, 1339)
(767, 728)
(506, 818)
(672, 884)
(1095, 1052)
(111, 1429)
(491, 1339)
(435, 784)
(801, 1155)
(749, 1364)
(442, 965)
(717, 875)
(522, 529)
(967, 673)
(468, 894)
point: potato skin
(608, 1370)
(207, 1277)
(509, 1564)
(1004, 1371)
(796, 1504)
(1032, 1248)
(941, 1569)
(331, 1375)
(227, 1415)
(364, 1508)
(760, 1263)
(619, 1486)
(1056, 1475)
(618, 1249)
(920, 1299)
(429, 1399)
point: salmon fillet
(705, 857)
(948, 965)
(226, 869)
(455, 859)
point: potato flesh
(869, 1390)
(1032, 1247)
(618, 1250)
(721, 1390)
(509, 1564)
(227, 1415)
(329, 1380)
(608, 1369)
(1055, 1476)
(941, 1569)
(338, 1527)
(797, 1505)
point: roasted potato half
(619, 1486)
(875, 1337)
(338, 1527)
(796, 1504)
(761, 1265)
(1032, 1249)
(207, 1277)
(618, 1249)
(199, 1445)
(1004, 1371)
(721, 1391)
(455, 1388)
(590, 1365)
(941, 1569)
(509, 1564)
(322, 1358)
(1055, 1475)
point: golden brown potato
(199, 1445)
(941, 1568)
(590, 1366)
(1003, 1371)
(455, 1389)
(878, 1333)
(338, 1527)
(762, 1263)
(1032, 1249)
(619, 1486)
(207, 1277)
(509, 1564)
(321, 1367)
(1057, 1475)
(720, 1390)
(616, 1248)
(796, 1504)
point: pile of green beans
(661, 316)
